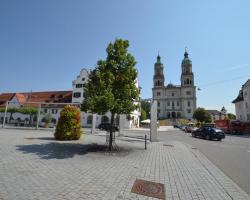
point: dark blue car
(209, 133)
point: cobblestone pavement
(34, 166)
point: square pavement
(33, 166)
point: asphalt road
(231, 155)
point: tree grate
(148, 188)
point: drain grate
(148, 188)
(168, 145)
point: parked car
(183, 127)
(209, 133)
(189, 129)
(176, 126)
(107, 127)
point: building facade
(218, 115)
(51, 103)
(242, 103)
(174, 101)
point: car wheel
(193, 135)
(207, 137)
(219, 139)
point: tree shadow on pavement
(57, 150)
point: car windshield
(217, 130)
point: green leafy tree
(231, 116)
(145, 105)
(202, 115)
(143, 115)
(111, 85)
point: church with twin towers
(174, 101)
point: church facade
(174, 101)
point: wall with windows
(77, 84)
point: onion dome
(186, 60)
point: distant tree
(202, 115)
(31, 111)
(231, 116)
(111, 85)
(145, 105)
(143, 115)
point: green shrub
(69, 124)
(47, 118)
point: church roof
(186, 59)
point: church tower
(187, 76)
(159, 76)
(188, 90)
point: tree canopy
(202, 115)
(231, 116)
(145, 105)
(112, 84)
(143, 115)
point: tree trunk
(111, 132)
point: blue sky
(44, 44)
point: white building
(51, 105)
(242, 103)
(77, 97)
(218, 115)
(175, 101)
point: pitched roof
(247, 83)
(214, 112)
(21, 98)
(5, 97)
(46, 97)
(239, 97)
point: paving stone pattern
(34, 166)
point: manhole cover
(168, 145)
(148, 188)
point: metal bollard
(145, 142)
